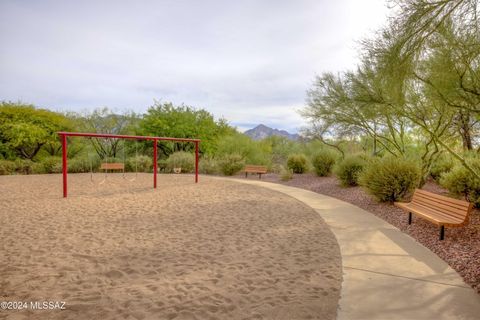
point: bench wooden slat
(112, 166)
(455, 205)
(439, 197)
(441, 215)
(436, 217)
(440, 210)
(428, 203)
(249, 168)
(255, 169)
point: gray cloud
(249, 61)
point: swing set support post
(155, 163)
(196, 161)
(64, 164)
(63, 136)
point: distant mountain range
(262, 131)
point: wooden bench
(112, 166)
(440, 210)
(255, 169)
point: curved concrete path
(386, 273)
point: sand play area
(121, 250)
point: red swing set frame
(64, 135)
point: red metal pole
(64, 164)
(155, 163)
(196, 161)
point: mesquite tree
(418, 84)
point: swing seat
(112, 166)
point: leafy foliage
(24, 166)
(83, 165)
(459, 181)
(231, 164)
(181, 159)
(286, 174)
(417, 84)
(104, 120)
(24, 129)
(440, 166)
(297, 163)
(167, 120)
(139, 163)
(254, 152)
(52, 164)
(323, 162)
(7, 167)
(390, 179)
(349, 169)
(208, 165)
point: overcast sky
(248, 61)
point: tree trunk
(464, 127)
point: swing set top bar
(121, 136)
(63, 135)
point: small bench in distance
(440, 210)
(112, 166)
(255, 169)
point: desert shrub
(52, 164)
(440, 166)
(460, 181)
(7, 167)
(24, 166)
(276, 168)
(82, 165)
(254, 152)
(181, 159)
(208, 165)
(139, 163)
(78, 165)
(231, 164)
(297, 163)
(38, 168)
(349, 169)
(286, 174)
(162, 165)
(323, 162)
(389, 178)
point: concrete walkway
(386, 274)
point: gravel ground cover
(460, 249)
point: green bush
(440, 166)
(389, 178)
(286, 174)
(297, 163)
(323, 162)
(208, 166)
(38, 168)
(139, 163)
(254, 152)
(82, 165)
(460, 181)
(24, 166)
(230, 164)
(181, 159)
(52, 164)
(349, 169)
(162, 165)
(7, 167)
(276, 168)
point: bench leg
(246, 174)
(409, 218)
(442, 232)
(259, 176)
